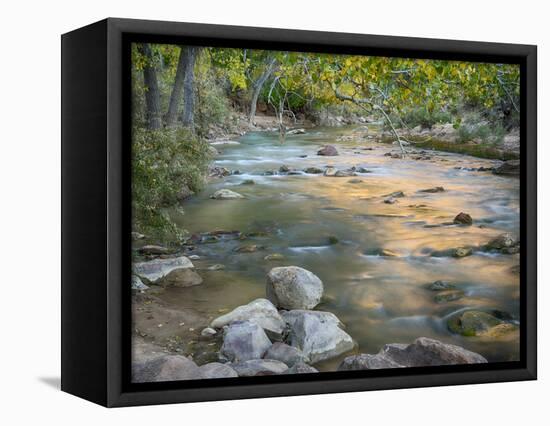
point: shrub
(473, 128)
(424, 118)
(163, 163)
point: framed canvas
(253, 212)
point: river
(337, 228)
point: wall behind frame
(30, 176)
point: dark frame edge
(530, 176)
(83, 188)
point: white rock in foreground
(259, 311)
(319, 337)
(155, 270)
(243, 341)
(292, 287)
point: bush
(424, 118)
(473, 127)
(163, 163)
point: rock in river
(165, 368)
(259, 367)
(396, 194)
(259, 311)
(510, 167)
(458, 252)
(153, 249)
(292, 287)
(288, 354)
(462, 251)
(313, 170)
(226, 194)
(243, 341)
(503, 241)
(440, 285)
(328, 150)
(296, 132)
(433, 190)
(319, 337)
(473, 323)
(251, 248)
(331, 171)
(274, 257)
(156, 270)
(463, 219)
(182, 278)
(422, 352)
(448, 296)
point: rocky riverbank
(280, 334)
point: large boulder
(156, 270)
(243, 341)
(292, 287)
(510, 168)
(226, 194)
(473, 323)
(259, 311)
(319, 337)
(328, 150)
(182, 278)
(217, 370)
(422, 352)
(259, 367)
(288, 354)
(425, 351)
(165, 368)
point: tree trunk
(257, 86)
(189, 87)
(177, 90)
(152, 93)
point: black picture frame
(96, 212)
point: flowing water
(380, 299)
